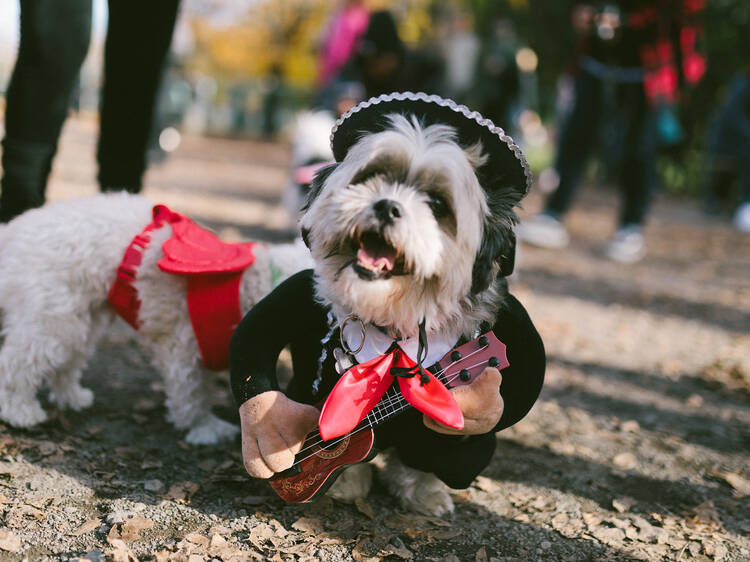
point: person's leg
(637, 173)
(54, 40)
(578, 134)
(742, 213)
(576, 139)
(138, 39)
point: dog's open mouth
(376, 258)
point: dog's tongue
(376, 256)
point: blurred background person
(382, 63)
(728, 151)
(345, 29)
(54, 39)
(498, 83)
(461, 48)
(633, 59)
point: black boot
(26, 166)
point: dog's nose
(387, 210)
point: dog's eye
(438, 205)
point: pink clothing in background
(345, 29)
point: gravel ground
(637, 449)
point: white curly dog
(57, 264)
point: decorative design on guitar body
(301, 485)
(334, 453)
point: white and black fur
(415, 189)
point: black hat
(506, 166)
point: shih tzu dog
(58, 264)
(411, 234)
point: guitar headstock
(465, 363)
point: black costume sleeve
(523, 378)
(287, 315)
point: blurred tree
(284, 34)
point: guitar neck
(458, 367)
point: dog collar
(506, 166)
(369, 342)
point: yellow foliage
(285, 34)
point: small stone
(117, 517)
(625, 461)
(546, 545)
(153, 485)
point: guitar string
(402, 406)
(395, 398)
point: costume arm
(286, 315)
(522, 380)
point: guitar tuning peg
(493, 362)
(483, 341)
(456, 355)
(464, 375)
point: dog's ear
(318, 181)
(316, 186)
(497, 252)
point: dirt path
(639, 447)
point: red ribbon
(360, 389)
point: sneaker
(742, 218)
(543, 230)
(627, 245)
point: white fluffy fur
(310, 132)
(438, 288)
(439, 259)
(57, 264)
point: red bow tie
(360, 388)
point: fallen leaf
(182, 491)
(308, 525)
(113, 535)
(47, 448)
(9, 542)
(219, 530)
(364, 508)
(130, 530)
(120, 552)
(741, 485)
(625, 461)
(197, 539)
(624, 504)
(609, 535)
(87, 527)
(486, 484)
(706, 514)
(259, 534)
(481, 555)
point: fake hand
(480, 403)
(273, 431)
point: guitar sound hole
(330, 445)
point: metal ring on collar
(362, 330)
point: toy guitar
(319, 462)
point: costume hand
(480, 403)
(273, 431)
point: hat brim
(506, 166)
